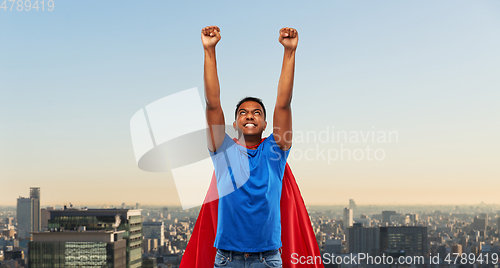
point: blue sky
(71, 79)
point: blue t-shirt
(249, 183)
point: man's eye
(242, 112)
(257, 112)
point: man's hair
(257, 100)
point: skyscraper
(333, 246)
(363, 240)
(45, 217)
(127, 220)
(347, 218)
(28, 213)
(485, 217)
(386, 215)
(352, 204)
(35, 212)
(154, 230)
(77, 249)
(24, 208)
(410, 239)
(479, 223)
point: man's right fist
(210, 35)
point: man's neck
(250, 140)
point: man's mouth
(249, 125)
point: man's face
(250, 119)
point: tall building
(35, 213)
(149, 245)
(164, 212)
(127, 220)
(410, 239)
(363, 240)
(479, 224)
(352, 204)
(77, 249)
(457, 249)
(9, 221)
(24, 207)
(484, 216)
(386, 215)
(347, 218)
(28, 214)
(154, 230)
(45, 217)
(333, 246)
(413, 217)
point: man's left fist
(289, 38)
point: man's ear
(265, 125)
(234, 125)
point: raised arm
(210, 36)
(282, 128)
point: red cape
(297, 235)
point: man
(249, 179)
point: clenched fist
(210, 36)
(289, 38)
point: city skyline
(420, 231)
(119, 205)
(73, 77)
